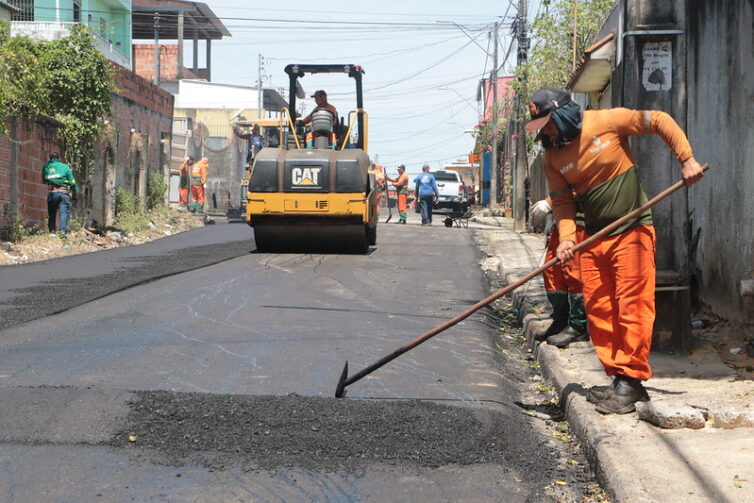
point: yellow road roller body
(315, 192)
(312, 200)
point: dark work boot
(598, 393)
(623, 397)
(555, 327)
(567, 336)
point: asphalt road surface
(217, 384)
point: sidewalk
(709, 456)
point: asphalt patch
(58, 296)
(317, 433)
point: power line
(444, 59)
(388, 53)
(424, 15)
(166, 16)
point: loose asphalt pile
(321, 433)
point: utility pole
(156, 79)
(521, 164)
(259, 88)
(493, 164)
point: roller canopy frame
(297, 71)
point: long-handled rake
(387, 199)
(345, 380)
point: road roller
(314, 193)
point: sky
(422, 66)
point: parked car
(454, 196)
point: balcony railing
(52, 30)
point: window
(27, 10)
(445, 176)
(76, 11)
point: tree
(550, 62)
(78, 82)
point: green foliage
(484, 129)
(551, 58)
(68, 79)
(14, 231)
(126, 204)
(157, 189)
(4, 30)
(78, 79)
(129, 212)
(21, 90)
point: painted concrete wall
(112, 24)
(117, 23)
(720, 111)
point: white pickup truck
(454, 197)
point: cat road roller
(315, 193)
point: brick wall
(143, 55)
(141, 119)
(35, 142)
(143, 61)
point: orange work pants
(565, 278)
(618, 276)
(402, 203)
(183, 195)
(197, 194)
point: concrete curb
(610, 468)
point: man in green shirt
(59, 178)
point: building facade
(108, 20)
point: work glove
(538, 213)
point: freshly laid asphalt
(634, 460)
(66, 395)
(32, 291)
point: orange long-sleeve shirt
(597, 168)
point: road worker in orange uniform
(401, 190)
(562, 285)
(198, 185)
(183, 184)
(587, 158)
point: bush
(14, 231)
(157, 189)
(129, 215)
